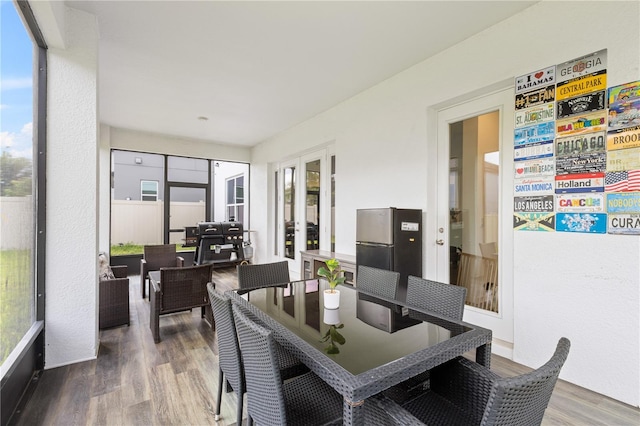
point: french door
(471, 238)
(304, 210)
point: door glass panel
(474, 171)
(333, 203)
(313, 204)
(276, 194)
(289, 212)
(187, 207)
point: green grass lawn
(130, 248)
(16, 296)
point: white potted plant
(333, 274)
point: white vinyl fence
(142, 222)
(16, 223)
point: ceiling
(254, 69)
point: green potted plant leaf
(333, 336)
(333, 274)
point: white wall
(71, 318)
(134, 140)
(584, 287)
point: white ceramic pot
(331, 299)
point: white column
(72, 194)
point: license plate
(536, 97)
(581, 85)
(581, 104)
(534, 80)
(583, 123)
(585, 163)
(625, 202)
(589, 64)
(533, 187)
(591, 223)
(533, 134)
(586, 182)
(534, 168)
(540, 222)
(623, 159)
(624, 224)
(624, 115)
(531, 151)
(580, 203)
(580, 144)
(538, 204)
(535, 115)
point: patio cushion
(104, 272)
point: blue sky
(16, 83)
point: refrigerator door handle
(364, 243)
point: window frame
(143, 195)
(27, 360)
(235, 205)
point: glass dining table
(366, 345)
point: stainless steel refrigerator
(390, 238)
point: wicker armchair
(114, 299)
(443, 299)
(154, 258)
(465, 393)
(378, 281)
(305, 399)
(180, 289)
(263, 274)
(229, 360)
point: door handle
(440, 242)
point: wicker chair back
(378, 281)
(262, 274)
(444, 299)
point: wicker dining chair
(262, 274)
(443, 299)
(229, 360)
(378, 281)
(154, 258)
(305, 399)
(465, 393)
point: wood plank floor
(137, 382)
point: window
(159, 199)
(149, 190)
(17, 254)
(235, 199)
(23, 71)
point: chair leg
(219, 402)
(240, 395)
